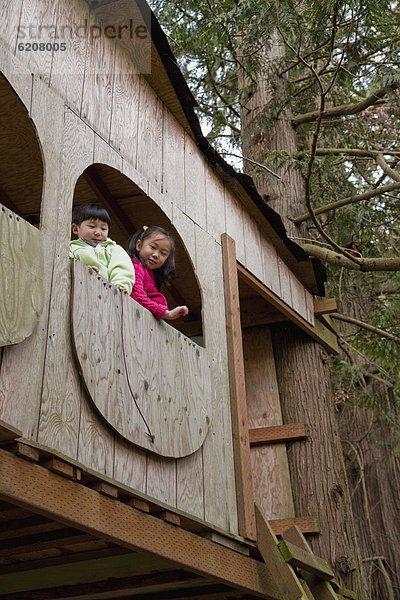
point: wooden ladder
(291, 556)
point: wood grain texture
(149, 143)
(240, 429)
(9, 20)
(21, 401)
(215, 203)
(253, 248)
(125, 108)
(277, 433)
(68, 67)
(37, 25)
(271, 269)
(235, 223)
(173, 161)
(61, 395)
(105, 154)
(195, 193)
(21, 278)
(159, 359)
(271, 480)
(98, 82)
(285, 278)
(218, 465)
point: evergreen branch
(350, 200)
(342, 110)
(365, 265)
(367, 326)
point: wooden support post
(240, 429)
(325, 306)
(282, 573)
(305, 524)
(277, 434)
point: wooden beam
(317, 331)
(277, 434)
(237, 384)
(325, 306)
(35, 488)
(298, 557)
(282, 573)
(8, 432)
(105, 197)
(305, 524)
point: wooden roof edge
(314, 280)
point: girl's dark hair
(166, 273)
(90, 211)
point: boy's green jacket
(113, 262)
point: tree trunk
(317, 468)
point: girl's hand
(175, 313)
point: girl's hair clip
(145, 227)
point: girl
(152, 251)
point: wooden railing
(160, 401)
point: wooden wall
(118, 120)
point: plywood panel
(21, 278)
(173, 161)
(271, 270)
(22, 394)
(68, 67)
(215, 202)
(298, 296)
(98, 83)
(37, 26)
(253, 250)
(103, 153)
(285, 276)
(9, 20)
(158, 361)
(185, 228)
(125, 108)
(271, 480)
(96, 441)
(234, 224)
(61, 396)
(149, 153)
(129, 465)
(18, 75)
(189, 484)
(194, 183)
(161, 479)
(218, 467)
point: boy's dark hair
(90, 211)
(166, 273)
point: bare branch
(357, 264)
(366, 326)
(349, 152)
(350, 200)
(253, 162)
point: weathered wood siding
(117, 119)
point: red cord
(148, 432)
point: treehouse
(138, 458)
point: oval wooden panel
(21, 277)
(169, 374)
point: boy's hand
(175, 313)
(94, 268)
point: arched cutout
(130, 209)
(21, 164)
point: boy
(91, 222)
